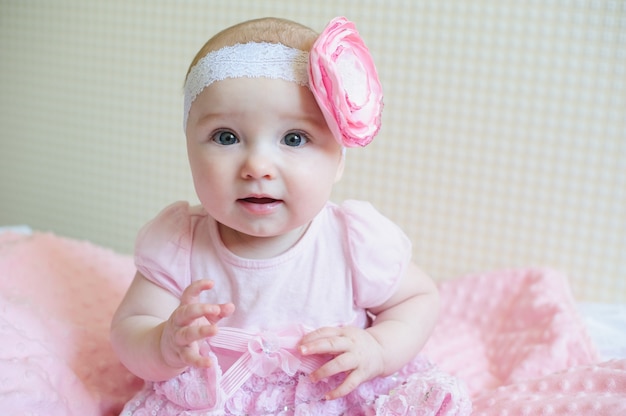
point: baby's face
(262, 157)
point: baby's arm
(400, 330)
(156, 335)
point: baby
(267, 298)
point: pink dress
(350, 259)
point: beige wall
(503, 141)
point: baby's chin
(259, 243)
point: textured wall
(503, 140)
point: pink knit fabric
(57, 297)
(517, 340)
(513, 336)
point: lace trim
(250, 60)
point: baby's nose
(259, 163)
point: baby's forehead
(257, 100)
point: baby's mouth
(260, 205)
(259, 200)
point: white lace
(250, 60)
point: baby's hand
(356, 351)
(191, 322)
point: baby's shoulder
(163, 246)
(174, 224)
(361, 216)
(377, 251)
(178, 214)
(365, 231)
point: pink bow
(263, 353)
(267, 353)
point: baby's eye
(294, 139)
(225, 138)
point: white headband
(250, 60)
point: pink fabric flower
(267, 354)
(343, 79)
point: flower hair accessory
(344, 81)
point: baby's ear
(341, 165)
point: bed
(517, 338)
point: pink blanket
(513, 336)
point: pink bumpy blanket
(513, 336)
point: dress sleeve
(379, 253)
(162, 249)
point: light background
(503, 142)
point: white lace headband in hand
(250, 60)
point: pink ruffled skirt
(418, 389)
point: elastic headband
(249, 60)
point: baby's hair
(267, 29)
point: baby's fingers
(352, 381)
(191, 298)
(192, 292)
(187, 335)
(226, 309)
(326, 341)
(187, 314)
(343, 363)
(194, 359)
(320, 333)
